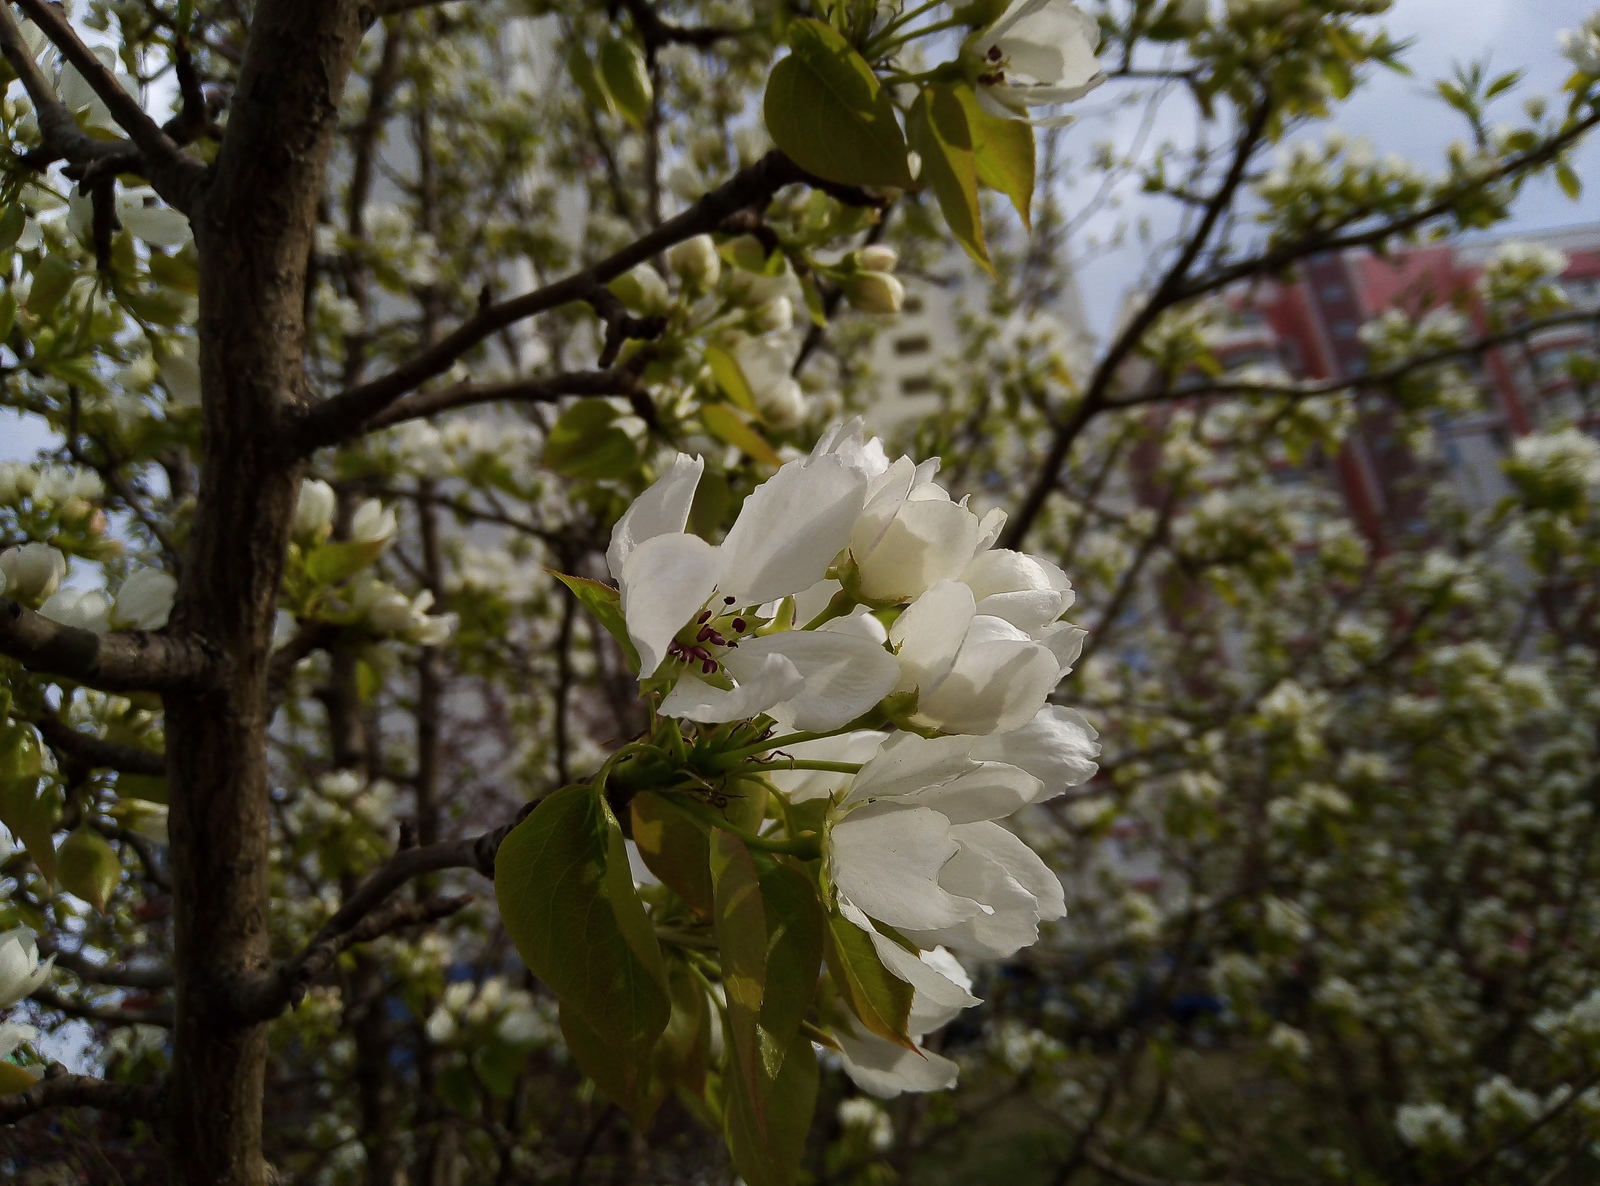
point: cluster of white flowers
(1432, 1128)
(852, 590)
(1555, 469)
(515, 1015)
(48, 485)
(1581, 46)
(32, 574)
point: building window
(912, 304)
(905, 347)
(916, 385)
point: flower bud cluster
(853, 593)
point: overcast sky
(1397, 114)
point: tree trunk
(253, 225)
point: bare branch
(110, 1014)
(615, 381)
(319, 956)
(355, 921)
(122, 661)
(173, 172)
(63, 138)
(751, 186)
(96, 752)
(113, 975)
(61, 1089)
(656, 32)
(1044, 483)
(1369, 379)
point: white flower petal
(790, 529)
(845, 675)
(1058, 747)
(928, 635)
(663, 509)
(769, 681)
(664, 582)
(881, 1068)
(800, 786)
(887, 861)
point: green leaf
(52, 277)
(12, 221)
(605, 603)
(14, 1078)
(622, 67)
(568, 902)
(8, 314)
(769, 929)
(328, 564)
(827, 110)
(29, 805)
(876, 995)
(177, 272)
(151, 788)
(674, 848)
(937, 130)
(769, 1154)
(586, 443)
(813, 299)
(725, 424)
(1002, 152)
(1567, 179)
(588, 80)
(725, 369)
(88, 867)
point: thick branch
(173, 172)
(750, 186)
(61, 1089)
(96, 752)
(123, 661)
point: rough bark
(253, 224)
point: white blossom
(31, 573)
(20, 968)
(1039, 53)
(145, 600)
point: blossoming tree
(442, 491)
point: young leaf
(876, 995)
(588, 80)
(725, 369)
(328, 564)
(87, 866)
(674, 849)
(605, 603)
(622, 67)
(769, 1154)
(1002, 152)
(12, 221)
(937, 130)
(769, 928)
(586, 443)
(567, 899)
(827, 110)
(741, 926)
(723, 422)
(29, 806)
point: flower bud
(145, 601)
(766, 368)
(875, 292)
(642, 290)
(697, 263)
(877, 257)
(313, 512)
(31, 573)
(773, 317)
(372, 524)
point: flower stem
(835, 767)
(730, 758)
